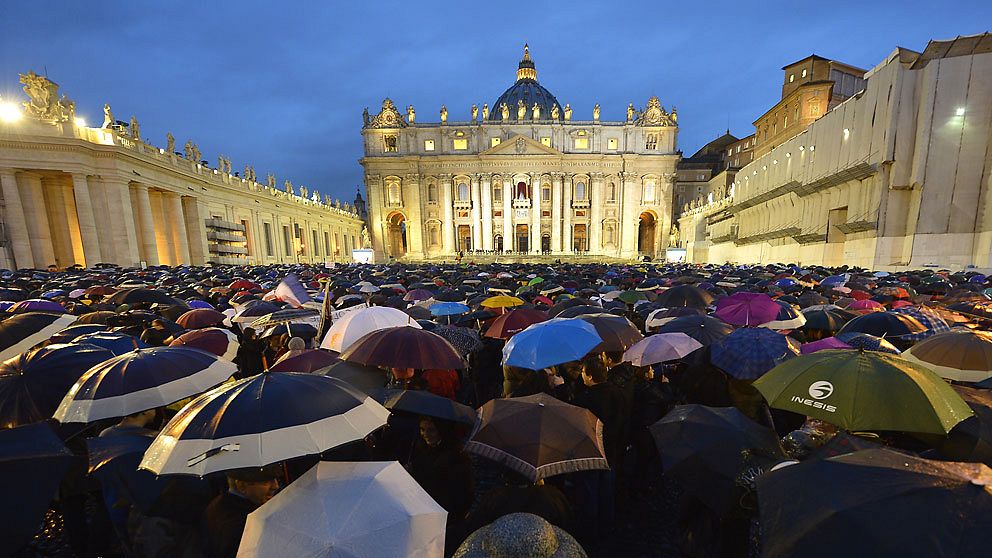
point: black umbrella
(705, 329)
(876, 503)
(685, 295)
(704, 447)
(33, 384)
(576, 311)
(134, 296)
(884, 324)
(560, 307)
(463, 339)
(21, 332)
(827, 319)
(33, 461)
(427, 404)
(301, 330)
(289, 315)
(70, 333)
(617, 332)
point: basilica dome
(526, 89)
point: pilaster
(17, 228)
(556, 201)
(487, 212)
(92, 253)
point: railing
(220, 235)
(227, 249)
(221, 224)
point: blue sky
(282, 85)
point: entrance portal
(645, 233)
(396, 234)
(546, 243)
(523, 238)
(464, 238)
(498, 243)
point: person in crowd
(249, 356)
(223, 521)
(157, 334)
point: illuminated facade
(75, 194)
(520, 176)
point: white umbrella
(347, 510)
(354, 325)
(661, 347)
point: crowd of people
(678, 379)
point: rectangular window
(582, 143)
(461, 144)
(493, 142)
(546, 141)
(267, 228)
(327, 243)
(428, 145)
(498, 213)
(248, 246)
(316, 245)
(545, 214)
(353, 245)
(287, 240)
(337, 244)
(611, 143)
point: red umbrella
(200, 318)
(859, 295)
(100, 291)
(404, 347)
(214, 340)
(243, 285)
(306, 360)
(514, 321)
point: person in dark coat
(605, 400)
(223, 521)
(518, 494)
(249, 357)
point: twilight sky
(282, 84)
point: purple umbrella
(822, 345)
(747, 309)
(37, 305)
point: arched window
(611, 192)
(652, 142)
(463, 192)
(546, 192)
(649, 192)
(393, 193)
(497, 193)
(432, 193)
(580, 191)
(521, 192)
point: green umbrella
(535, 281)
(631, 297)
(864, 390)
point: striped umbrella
(404, 347)
(962, 355)
(789, 317)
(215, 340)
(260, 420)
(23, 331)
(141, 380)
(929, 318)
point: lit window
(389, 144)
(804, 72)
(786, 124)
(739, 147)
(432, 193)
(546, 193)
(702, 177)
(649, 192)
(611, 143)
(428, 145)
(580, 191)
(546, 141)
(463, 192)
(498, 193)
(611, 192)
(493, 142)
(792, 77)
(461, 144)
(582, 143)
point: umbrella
(892, 501)
(581, 310)
(200, 318)
(33, 461)
(549, 343)
(866, 305)
(33, 383)
(822, 345)
(685, 295)
(704, 448)
(70, 333)
(255, 310)
(357, 323)
(962, 355)
(287, 316)
(631, 297)
(307, 360)
(827, 319)
(538, 436)
(788, 317)
(747, 309)
(36, 305)
(23, 331)
(835, 280)
(514, 321)
(98, 317)
(116, 343)
(404, 347)
(661, 347)
(414, 295)
(501, 301)
(448, 308)
(427, 404)
(215, 340)
(293, 329)
(141, 380)
(864, 390)
(260, 420)
(705, 329)
(884, 324)
(462, 338)
(662, 316)
(928, 317)
(748, 353)
(135, 296)
(243, 285)
(347, 509)
(617, 332)
(867, 342)
(367, 379)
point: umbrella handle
(211, 453)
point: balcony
(221, 235)
(226, 225)
(227, 249)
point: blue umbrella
(448, 309)
(70, 333)
(549, 343)
(53, 294)
(929, 318)
(867, 342)
(195, 303)
(117, 343)
(747, 353)
(835, 280)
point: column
(509, 235)
(58, 220)
(535, 214)
(72, 220)
(103, 224)
(630, 202)
(146, 229)
(86, 219)
(33, 202)
(125, 232)
(163, 238)
(14, 217)
(556, 244)
(596, 213)
(196, 231)
(448, 227)
(177, 220)
(566, 236)
(412, 201)
(487, 212)
(476, 213)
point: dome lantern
(526, 69)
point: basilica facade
(523, 176)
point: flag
(292, 291)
